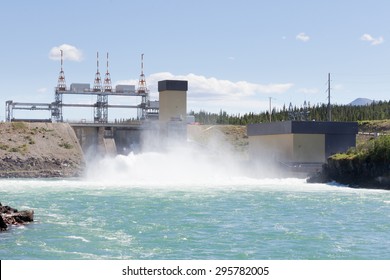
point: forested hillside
(376, 111)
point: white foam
(185, 166)
(181, 167)
(78, 238)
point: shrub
(20, 149)
(376, 149)
(3, 146)
(380, 148)
(18, 125)
(65, 145)
(29, 139)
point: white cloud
(372, 40)
(207, 92)
(308, 90)
(302, 37)
(70, 53)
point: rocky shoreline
(16, 167)
(354, 173)
(11, 216)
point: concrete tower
(173, 109)
(173, 100)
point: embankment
(367, 166)
(354, 173)
(32, 150)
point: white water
(193, 203)
(186, 205)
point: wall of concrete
(173, 105)
(127, 140)
(108, 140)
(271, 147)
(173, 110)
(304, 142)
(288, 147)
(309, 148)
(88, 139)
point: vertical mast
(107, 80)
(270, 112)
(143, 92)
(61, 85)
(329, 106)
(142, 88)
(97, 86)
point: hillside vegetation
(367, 165)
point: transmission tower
(142, 88)
(97, 85)
(143, 91)
(101, 102)
(107, 80)
(61, 85)
(56, 110)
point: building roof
(173, 85)
(302, 127)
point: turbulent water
(126, 208)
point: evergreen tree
(376, 111)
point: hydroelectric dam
(159, 118)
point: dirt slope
(39, 150)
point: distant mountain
(361, 102)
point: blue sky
(235, 54)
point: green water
(241, 219)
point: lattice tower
(61, 85)
(97, 85)
(107, 79)
(142, 88)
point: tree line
(378, 110)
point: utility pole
(329, 106)
(270, 112)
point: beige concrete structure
(173, 110)
(300, 141)
(288, 147)
(173, 100)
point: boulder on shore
(11, 216)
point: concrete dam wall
(30, 150)
(105, 139)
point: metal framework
(143, 91)
(101, 106)
(52, 107)
(102, 93)
(101, 112)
